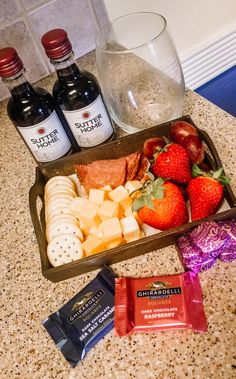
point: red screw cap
(56, 43)
(10, 62)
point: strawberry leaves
(217, 175)
(152, 189)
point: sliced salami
(132, 165)
(102, 172)
(143, 167)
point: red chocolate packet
(159, 303)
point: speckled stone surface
(26, 350)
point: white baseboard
(209, 60)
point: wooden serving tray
(115, 149)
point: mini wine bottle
(77, 92)
(32, 111)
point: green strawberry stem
(217, 175)
(152, 189)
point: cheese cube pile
(106, 218)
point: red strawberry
(161, 205)
(205, 192)
(173, 163)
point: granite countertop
(27, 298)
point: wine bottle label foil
(91, 124)
(47, 140)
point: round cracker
(62, 217)
(59, 190)
(57, 211)
(64, 248)
(59, 196)
(59, 178)
(54, 187)
(62, 203)
(64, 227)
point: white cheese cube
(88, 214)
(149, 230)
(106, 188)
(130, 228)
(111, 229)
(93, 245)
(96, 196)
(77, 204)
(108, 209)
(97, 231)
(132, 185)
(118, 194)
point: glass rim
(132, 48)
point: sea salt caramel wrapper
(84, 320)
(159, 303)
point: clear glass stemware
(139, 71)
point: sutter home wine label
(85, 319)
(159, 303)
(47, 140)
(90, 125)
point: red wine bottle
(32, 111)
(77, 92)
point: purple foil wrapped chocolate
(201, 247)
(228, 253)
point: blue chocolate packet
(85, 319)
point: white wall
(204, 32)
(192, 23)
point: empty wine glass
(139, 71)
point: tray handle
(37, 190)
(215, 156)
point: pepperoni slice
(102, 172)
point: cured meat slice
(102, 172)
(143, 167)
(132, 161)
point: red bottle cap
(10, 62)
(56, 43)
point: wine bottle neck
(18, 85)
(66, 68)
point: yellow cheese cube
(96, 196)
(138, 219)
(108, 209)
(76, 204)
(88, 214)
(106, 189)
(97, 231)
(126, 203)
(93, 245)
(111, 229)
(130, 228)
(132, 239)
(84, 228)
(132, 185)
(128, 211)
(118, 194)
(115, 243)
